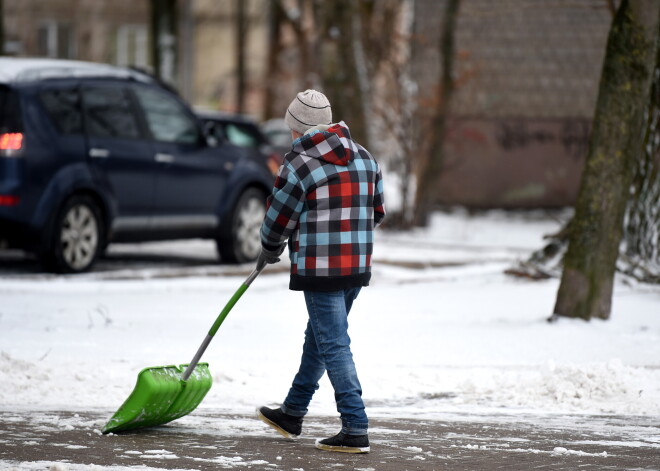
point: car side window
(167, 119)
(240, 135)
(63, 108)
(108, 112)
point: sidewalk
(68, 441)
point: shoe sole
(276, 427)
(342, 449)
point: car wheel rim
(248, 227)
(79, 237)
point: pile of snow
(441, 329)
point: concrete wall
(513, 163)
(526, 76)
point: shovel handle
(220, 319)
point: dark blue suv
(92, 154)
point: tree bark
(163, 40)
(432, 161)
(595, 233)
(275, 19)
(341, 69)
(641, 253)
(187, 41)
(2, 29)
(241, 46)
(390, 44)
(307, 64)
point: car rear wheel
(76, 237)
(240, 239)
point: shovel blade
(160, 396)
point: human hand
(267, 256)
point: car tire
(76, 237)
(240, 239)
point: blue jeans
(328, 348)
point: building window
(55, 40)
(132, 46)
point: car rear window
(63, 107)
(10, 112)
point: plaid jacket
(326, 201)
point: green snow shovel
(165, 393)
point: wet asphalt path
(71, 441)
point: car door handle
(165, 158)
(98, 153)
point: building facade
(118, 32)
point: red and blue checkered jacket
(326, 202)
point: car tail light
(10, 142)
(9, 200)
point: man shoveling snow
(326, 202)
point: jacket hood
(333, 145)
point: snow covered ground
(440, 331)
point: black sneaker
(345, 443)
(288, 425)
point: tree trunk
(163, 39)
(2, 29)
(641, 253)
(595, 233)
(241, 40)
(187, 62)
(275, 19)
(362, 75)
(396, 102)
(432, 161)
(341, 70)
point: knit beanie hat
(309, 108)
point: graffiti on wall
(572, 135)
(514, 162)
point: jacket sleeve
(283, 208)
(379, 199)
